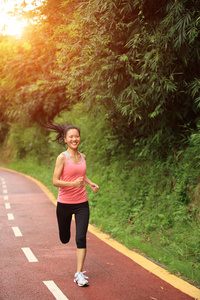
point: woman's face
(72, 139)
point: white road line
(5, 197)
(29, 255)
(7, 206)
(4, 186)
(5, 191)
(10, 217)
(17, 231)
(58, 294)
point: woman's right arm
(60, 163)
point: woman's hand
(79, 182)
(91, 184)
(94, 187)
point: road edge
(173, 280)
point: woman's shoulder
(83, 155)
(61, 157)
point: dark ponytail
(61, 130)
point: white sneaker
(81, 279)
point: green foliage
(28, 141)
(140, 71)
(8, 51)
(153, 209)
(137, 61)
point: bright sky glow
(9, 24)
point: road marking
(7, 205)
(17, 231)
(4, 186)
(10, 217)
(5, 191)
(58, 294)
(5, 197)
(29, 255)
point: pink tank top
(70, 172)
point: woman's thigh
(82, 219)
(64, 217)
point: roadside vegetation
(127, 73)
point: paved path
(34, 265)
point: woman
(70, 177)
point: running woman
(70, 177)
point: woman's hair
(61, 130)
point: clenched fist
(79, 182)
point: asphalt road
(34, 265)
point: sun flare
(12, 26)
(9, 24)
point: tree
(39, 92)
(139, 60)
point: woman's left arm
(91, 184)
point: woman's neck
(72, 152)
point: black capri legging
(64, 216)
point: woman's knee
(81, 242)
(64, 239)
